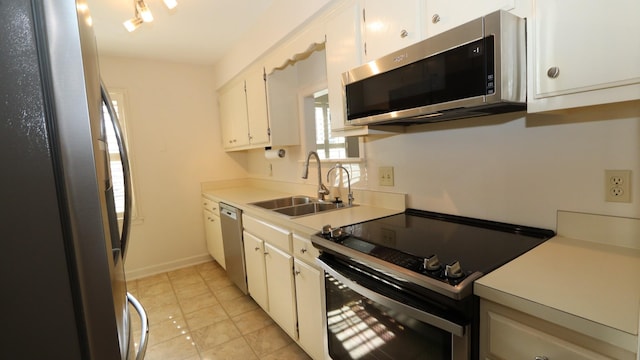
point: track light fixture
(142, 14)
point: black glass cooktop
(407, 239)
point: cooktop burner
(422, 246)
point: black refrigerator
(62, 277)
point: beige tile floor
(196, 313)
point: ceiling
(196, 31)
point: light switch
(385, 175)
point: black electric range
(441, 252)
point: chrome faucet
(340, 167)
(322, 190)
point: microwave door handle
(126, 170)
(423, 316)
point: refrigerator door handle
(144, 335)
(124, 158)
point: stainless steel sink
(284, 202)
(310, 208)
(298, 205)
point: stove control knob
(336, 233)
(453, 270)
(326, 230)
(431, 263)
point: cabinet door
(280, 283)
(581, 46)
(390, 28)
(213, 235)
(443, 15)
(256, 275)
(506, 333)
(309, 299)
(343, 54)
(233, 116)
(257, 107)
(510, 339)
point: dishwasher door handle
(229, 213)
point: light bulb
(170, 4)
(132, 24)
(145, 13)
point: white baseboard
(134, 274)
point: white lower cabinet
(309, 294)
(281, 289)
(269, 267)
(510, 334)
(256, 272)
(283, 279)
(213, 230)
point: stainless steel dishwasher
(231, 222)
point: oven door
(368, 319)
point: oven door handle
(423, 316)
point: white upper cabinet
(343, 53)
(257, 107)
(233, 115)
(442, 15)
(247, 121)
(390, 26)
(583, 53)
(345, 50)
(243, 112)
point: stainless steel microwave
(475, 69)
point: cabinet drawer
(303, 249)
(210, 205)
(274, 235)
(510, 339)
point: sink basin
(298, 205)
(285, 202)
(311, 208)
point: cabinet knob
(404, 34)
(541, 358)
(303, 250)
(297, 272)
(435, 19)
(256, 248)
(553, 72)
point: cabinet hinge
(269, 131)
(364, 15)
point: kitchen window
(118, 101)
(331, 147)
(339, 149)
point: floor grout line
(200, 271)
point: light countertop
(591, 287)
(243, 195)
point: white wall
(509, 167)
(176, 145)
(279, 20)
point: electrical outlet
(385, 175)
(617, 185)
